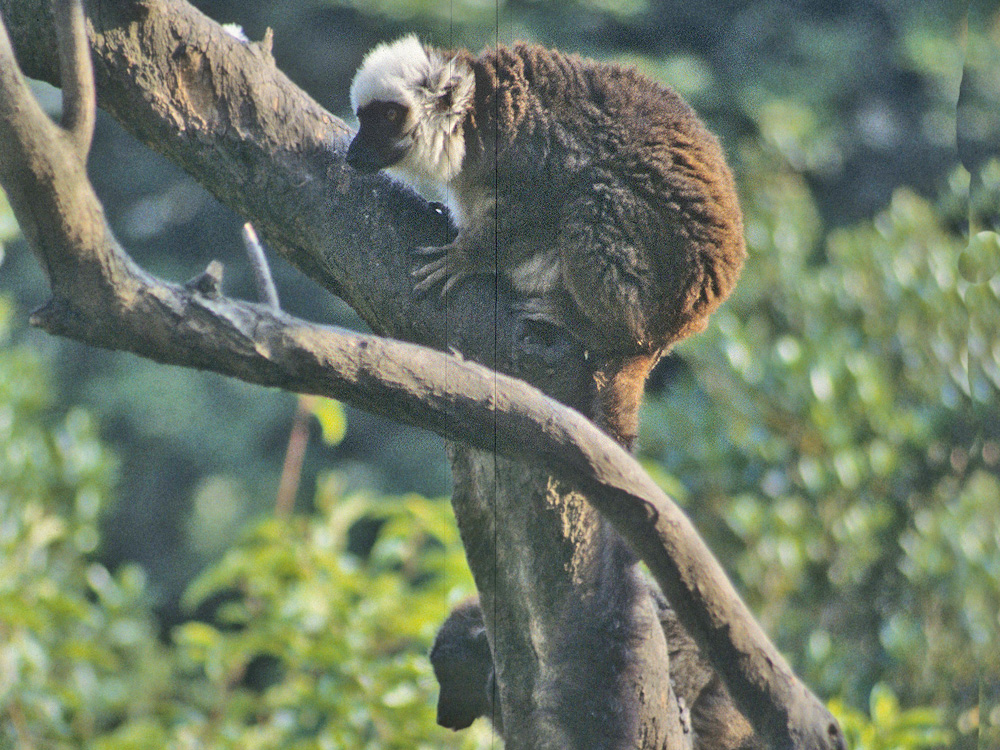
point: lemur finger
(432, 267)
(455, 278)
(430, 276)
(429, 251)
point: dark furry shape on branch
(463, 666)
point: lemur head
(410, 101)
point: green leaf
(980, 261)
(884, 706)
(332, 419)
(198, 634)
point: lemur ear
(450, 87)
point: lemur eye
(392, 114)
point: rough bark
(541, 555)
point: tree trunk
(581, 661)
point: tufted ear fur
(414, 75)
(437, 92)
(449, 86)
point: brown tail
(621, 381)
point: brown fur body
(607, 204)
(596, 192)
(606, 185)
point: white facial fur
(421, 79)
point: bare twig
(298, 436)
(266, 290)
(291, 470)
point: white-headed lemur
(596, 192)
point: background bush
(298, 643)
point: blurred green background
(835, 434)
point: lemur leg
(609, 276)
(619, 378)
(620, 385)
(613, 286)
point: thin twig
(266, 289)
(298, 436)
(291, 471)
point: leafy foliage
(342, 640)
(78, 651)
(846, 431)
(307, 646)
(890, 727)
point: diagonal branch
(101, 297)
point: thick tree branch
(101, 297)
(219, 108)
